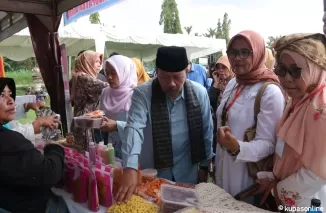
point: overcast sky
(268, 17)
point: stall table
(213, 199)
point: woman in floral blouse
(300, 153)
(86, 89)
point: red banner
(2, 67)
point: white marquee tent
(106, 40)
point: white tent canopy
(106, 40)
(12, 18)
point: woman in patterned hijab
(300, 154)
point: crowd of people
(257, 115)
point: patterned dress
(87, 95)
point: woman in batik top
(86, 89)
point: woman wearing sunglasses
(235, 115)
(299, 170)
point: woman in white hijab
(121, 74)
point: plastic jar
(149, 174)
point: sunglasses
(294, 72)
(242, 53)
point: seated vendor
(30, 129)
(26, 175)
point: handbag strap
(259, 97)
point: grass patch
(21, 77)
(31, 116)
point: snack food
(117, 176)
(135, 205)
(148, 174)
(104, 187)
(153, 188)
(95, 114)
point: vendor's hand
(108, 125)
(227, 140)
(202, 175)
(216, 79)
(265, 188)
(34, 106)
(128, 185)
(45, 121)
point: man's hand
(108, 125)
(128, 185)
(34, 106)
(202, 175)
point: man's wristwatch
(234, 153)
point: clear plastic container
(175, 198)
(87, 122)
(149, 174)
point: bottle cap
(101, 143)
(110, 145)
(91, 143)
(315, 202)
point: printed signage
(87, 8)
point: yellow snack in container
(135, 205)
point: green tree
(188, 29)
(211, 32)
(95, 18)
(222, 31)
(271, 41)
(219, 30)
(27, 64)
(169, 17)
(226, 26)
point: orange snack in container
(104, 187)
(149, 175)
(117, 176)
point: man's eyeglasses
(243, 53)
(294, 72)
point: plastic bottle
(93, 201)
(315, 206)
(92, 153)
(99, 148)
(105, 155)
(111, 154)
